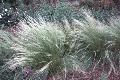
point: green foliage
(81, 42)
(57, 13)
(87, 41)
(5, 54)
(47, 12)
(8, 17)
(104, 15)
(62, 11)
(91, 36)
(97, 43)
(45, 44)
(5, 43)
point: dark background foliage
(52, 9)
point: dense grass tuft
(84, 45)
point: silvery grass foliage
(44, 44)
(5, 44)
(5, 55)
(96, 45)
(47, 46)
(9, 58)
(99, 43)
(83, 45)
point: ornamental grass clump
(86, 46)
(91, 38)
(45, 44)
(98, 44)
